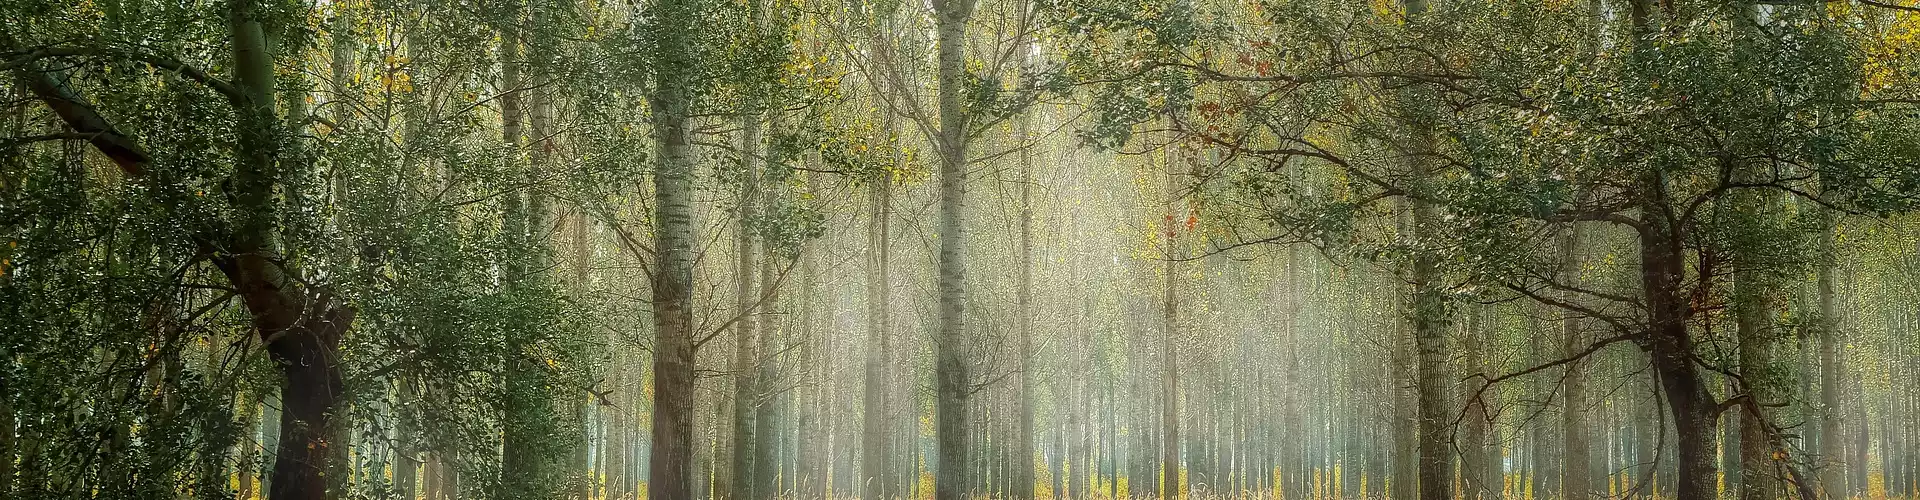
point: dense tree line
(1072, 249)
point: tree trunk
(1406, 413)
(1759, 475)
(302, 328)
(1170, 488)
(525, 458)
(1575, 481)
(1022, 453)
(876, 434)
(670, 471)
(1694, 411)
(1833, 460)
(1476, 477)
(1428, 312)
(1543, 462)
(746, 355)
(766, 466)
(953, 383)
(1431, 374)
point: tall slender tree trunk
(1115, 456)
(613, 432)
(525, 460)
(1428, 311)
(811, 451)
(1022, 453)
(1406, 413)
(1476, 477)
(876, 435)
(1170, 488)
(1430, 347)
(1543, 461)
(953, 382)
(746, 354)
(1833, 468)
(1575, 481)
(766, 465)
(670, 463)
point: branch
(30, 139)
(28, 62)
(85, 120)
(1883, 5)
(1617, 324)
(1593, 348)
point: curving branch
(81, 116)
(27, 60)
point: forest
(960, 249)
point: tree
(671, 50)
(952, 375)
(1171, 487)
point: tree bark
(1022, 453)
(766, 466)
(1170, 488)
(1827, 325)
(1575, 482)
(1406, 413)
(1428, 311)
(1476, 477)
(876, 435)
(1760, 476)
(1694, 411)
(953, 382)
(670, 471)
(746, 355)
(302, 328)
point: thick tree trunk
(953, 382)
(1760, 476)
(302, 328)
(1694, 411)
(1428, 315)
(1430, 366)
(670, 463)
